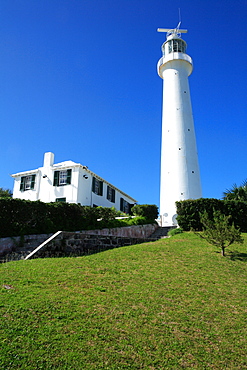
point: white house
(69, 182)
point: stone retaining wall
(136, 231)
(75, 243)
(26, 242)
(79, 244)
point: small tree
(6, 193)
(218, 231)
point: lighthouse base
(168, 220)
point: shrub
(106, 214)
(149, 211)
(176, 231)
(139, 220)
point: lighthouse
(180, 175)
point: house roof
(68, 164)
(25, 173)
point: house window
(27, 182)
(97, 186)
(124, 206)
(111, 194)
(60, 199)
(62, 178)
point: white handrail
(42, 245)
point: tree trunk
(223, 251)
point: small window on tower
(175, 45)
(170, 46)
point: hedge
(20, 217)
(188, 212)
(24, 217)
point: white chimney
(48, 159)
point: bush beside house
(23, 217)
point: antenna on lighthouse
(176, 30)
(172, 30)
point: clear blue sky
(78, 78)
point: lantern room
(173, 44)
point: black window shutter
(32, 182)
(22, 183)
(121, 204)
(100, 187)
(93, 185)
(68, 177)
(56, 178)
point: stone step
(161, 232)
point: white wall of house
(68, 181)
(27, 194)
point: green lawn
(173, 304)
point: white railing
(43, 244)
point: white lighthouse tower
(180, 176)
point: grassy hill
(172, 304)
